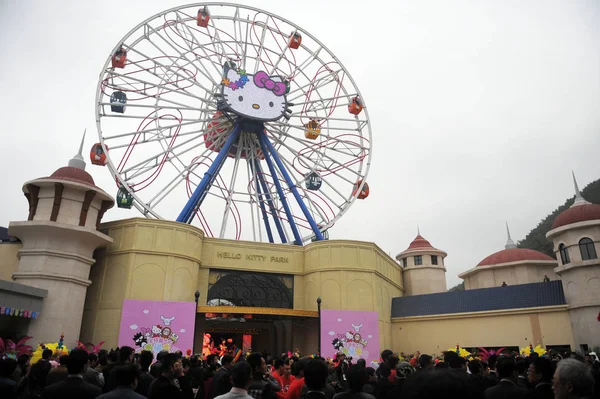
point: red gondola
(295, 40)
(97, 155)
(364, 193)
(355, 106)
(203, 17)
(119, 58)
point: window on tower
(564, 254)
(418, 260)
(405, 262)
(434, 259)
(587, 249)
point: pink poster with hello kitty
(356, 334)
(157, 325)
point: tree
(458, 287)
(536, 239)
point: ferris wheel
(235, 120)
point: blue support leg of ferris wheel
(261, 178)
(261, 205)
(264, 140)
(286, 206)
(187, 214)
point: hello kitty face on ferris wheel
(259, 96)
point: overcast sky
(479, 109)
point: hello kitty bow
(261, 79)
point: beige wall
(419, 280)
(9, 262)
(160, 260)
(515, 327)
(512, 273)
(581, 280)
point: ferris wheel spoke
(261, 46)
(169, 68)
(170, 149)
(316, 84)
(201, 46)
(118, 136)
(314, 56)
(297, 153)
(154, 138)
(170, 43)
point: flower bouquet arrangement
(528, 350)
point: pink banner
(356, 334)
(157, 326)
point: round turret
(423, 270)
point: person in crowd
(59, 373)
(74, 386)
(456, 363)
(145, 379)
(522, 367)
(361, 362)
(392, 362)
(195, 372)
(383, 383)
(125, 357)
(102, 360)
(506, 370)
(477, 378)
(241, 378)
(315, 379)
(127, 380)
(156, 368)
(540, 373)
(167, 386)
(278, 367)
(113, 359)
(92, 375)
(340, 382)
(8, 386)
(295, 389)
(38, 373)
(371, 384)
(442, 366)
(221, 382)
(425, 362)
(263, 386)
(357, 377)
(208, 374)
(441, 384)
(287, 378)
(403, 371)
(492, 366)
(572, 380)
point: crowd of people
(122, 373)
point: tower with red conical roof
(575, 234)
(423, 270)
(59, 239)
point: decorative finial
(578, 198)
(77, 161)
(418, 231)
(510, 244)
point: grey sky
(479, 109)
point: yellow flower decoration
(538, 349)
(37, 355)
(461, 352)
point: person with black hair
(241, 378)
(8, 386)
(263, 385)
(167, 386)
(425, 362)
(59, 373)
(371, 384)
(127, 380)
(145, 379)
(522, 366)
(74, 386)
(357, 377)
(492, 366)
(221, 382)
(295, 389)
(315, 380)
(384, 384)
(38, 373)
(195, 372)
(478, 380)
(506, 369)
(156, 368)
(125, 357)
(91, 375)
(540, 373)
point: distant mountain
(536, 239)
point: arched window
(588, 251)
(564, 254)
